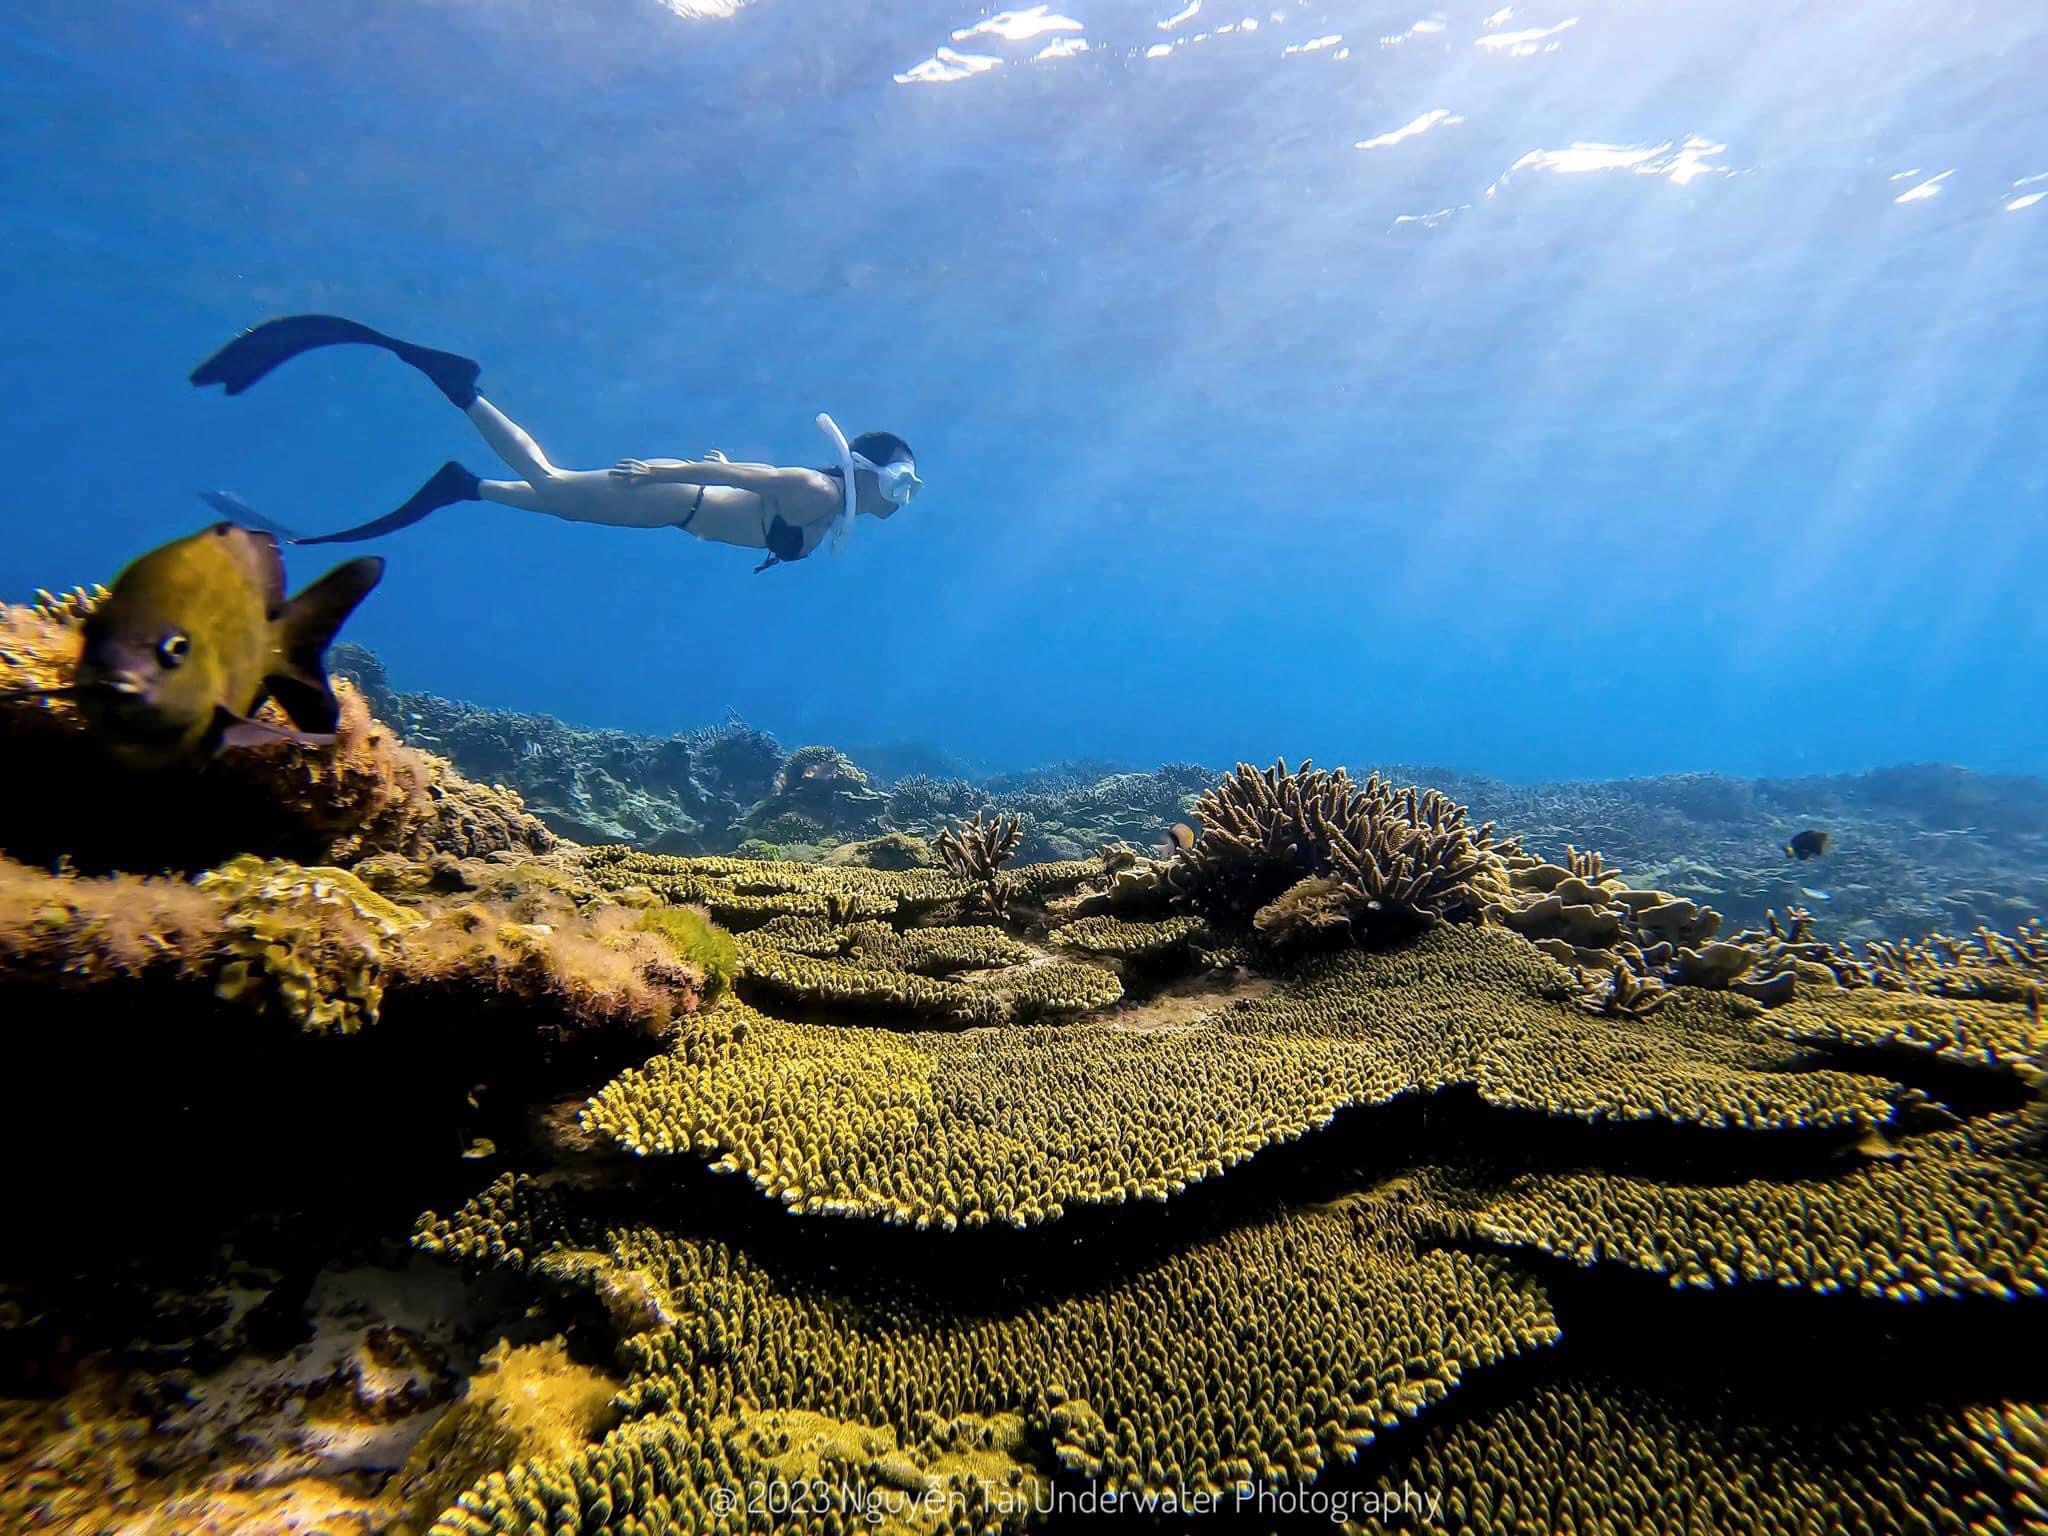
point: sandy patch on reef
(1186, 1005)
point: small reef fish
(1810, 844)
(1178, 838)
(197, 634)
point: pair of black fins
(259, 350)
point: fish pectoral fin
(308, 700)
(240, 731)
(309, 625)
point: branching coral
(975, 851)
(1383, 857)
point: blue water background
(1701, 451)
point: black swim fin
(261, 348)
(450, 483)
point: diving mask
(897, 481)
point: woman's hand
(633, 472)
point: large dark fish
(196, 635)
(1810, 844)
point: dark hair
(881, 447)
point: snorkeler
(787, 512)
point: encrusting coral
(320, 948)
(528, 1402)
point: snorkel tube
(843, 523)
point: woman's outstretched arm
(762, 479)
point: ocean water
(1555, 388)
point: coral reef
(887, 1123)
(675, 794)
(1344, 1148)
(1913, 848)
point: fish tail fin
(236, 510)
(308, 627)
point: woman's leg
(510, 493)
(511, 442)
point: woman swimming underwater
(787, 512)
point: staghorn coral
(930, 1127)
(366, 794)
(1592, 1453)
(975, 851)
(1321, 1330)
(1393, 856)
(921, 801)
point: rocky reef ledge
(385, 1164)
(1913, 848)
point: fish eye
(174, 648)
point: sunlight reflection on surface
(1434, 118)
(1931, 187)
(1520, 45)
